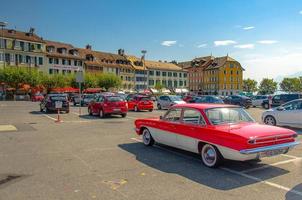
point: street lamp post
(3, 24)
(144, 63)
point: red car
(216, 132)
(140, 102)
(108, 104)
(37, 97)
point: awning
(181, 90)
(66, 89)
(166, 91)
(154, 91)
(93, 90)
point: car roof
(203, 106)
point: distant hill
(280, 78)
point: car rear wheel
(101, 114)
(150, 110)
(210, 156)
(124, 115)
(270, 120)
(147, 138)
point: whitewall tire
(210, 156)
(147, 138)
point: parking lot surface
(85, 157)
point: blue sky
(263, 35)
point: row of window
(57, 71)
(58, 61)
(21, 59)
(127, 78)
(168, 83)
(169, 74)
(19, 45)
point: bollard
(58, 117)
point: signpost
(58, 105)
(80, 80)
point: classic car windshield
(228, 115)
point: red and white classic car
(216, 132)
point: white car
(258, 100)
(166, 101)
(288, 114)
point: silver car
(166, 101)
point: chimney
(121, 52)
(88, 46)
(31, 31)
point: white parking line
(131, 117)
(262, 181)
(49, 117)
(281, 187)
(267, 166)
(290, 156)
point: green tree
(267, 86)
(90, 80)
(249, 85)
(291, 84)
(158, 86)
(108, 80)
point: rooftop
(26, 36)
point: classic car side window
(173, 115)
(192, 116)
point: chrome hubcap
(209, 155)
(146, 137)
(270, 121)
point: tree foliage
(267, 86)
(250, 85)
(15, 77)
(108, 80)
(158, 86)
(291, 84)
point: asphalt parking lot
(86, 157)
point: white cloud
(260, 66)
(201, 45)
(168, 43)
(300, 12)
(248, 27)
(224, 42)
(267, 42)
(245, 46)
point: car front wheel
(210, 156)
(270, 120)
(147, 138)
(266, 106)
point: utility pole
(144, 63)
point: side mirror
(280, 108)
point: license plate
(271, 153)
(116, 109)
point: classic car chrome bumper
(269, 148)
